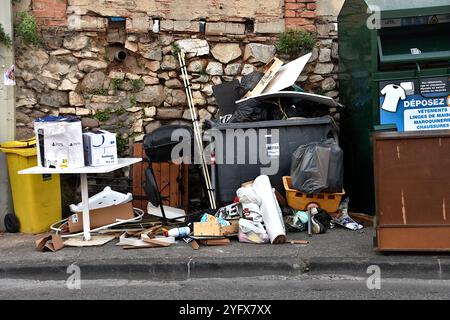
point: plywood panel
(412, 174)
(168, 177)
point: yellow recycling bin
(36, 198)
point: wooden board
(213, 229)
(216, 242)
(412, 175)
(272, 69)
(168, 177)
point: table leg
(85, 202)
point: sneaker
(344, 220)
(324, 218)
(316, 226)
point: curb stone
(409, 267)
(148, 269)
(195, 268)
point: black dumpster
(246, 150)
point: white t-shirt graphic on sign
(392, 94)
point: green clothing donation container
(394, 73)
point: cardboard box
(102, 217)
(214, 229)
(59, 142)
(52, 242)
(100, 148)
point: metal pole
(197, 130)
(7, 110)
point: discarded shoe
(324, 218)
(316, 226)
(344, 220)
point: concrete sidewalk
(339, 251)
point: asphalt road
(272, 287)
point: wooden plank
(141, 247)
(194, 245)
(165, 181)
(174, 172)
(298, 241)
(137, 174)
(414, 238)
(272, 69)
(157, 242)
(217, 242)
(167, 176)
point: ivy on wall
(27, 29)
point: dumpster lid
(328, 101)
(26, 148)
(19, 143)
(326, 120)
(25, 152)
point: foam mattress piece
(271, 211)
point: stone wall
(319, 16)
(74, 71)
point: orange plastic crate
(299, 200)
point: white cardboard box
(59, 142)
(100, 148)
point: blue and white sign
(416, 105)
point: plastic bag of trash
(252, 212)
(248, 111)
(248, 195)
(318, 167)
(297, 222)
(250, 204)
(249, 81)
(252, 232)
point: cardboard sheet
(287, 75)
(94, 242)
(102, 217)
(271, 212)
(51, 242)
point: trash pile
(305, 194)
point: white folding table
(83, 172)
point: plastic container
(103, 199)
(36, 198)
(299, 200)
(178, 232)
(292, 134)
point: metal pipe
(197, 130)
(120, 55)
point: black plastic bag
(248, 111)
(249, 81)
(318, 167)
